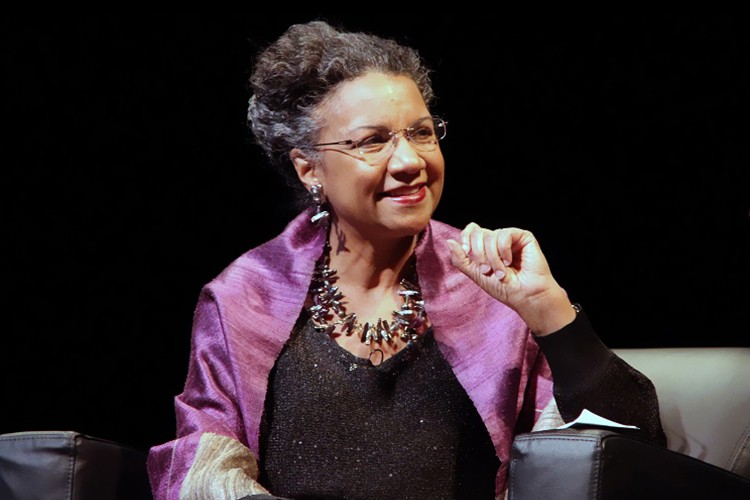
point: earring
(321, 215)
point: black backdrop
(620, 141)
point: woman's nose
(405, 158)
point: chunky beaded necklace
(328, 301)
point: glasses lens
(423, 137)
(374, 145)
(440, 128)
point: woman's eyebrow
(383, 127)
(370, 127)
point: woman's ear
(306, 169)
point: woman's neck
(368, 274)
(366, 263)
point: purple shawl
(246, 314)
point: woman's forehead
(374, 100)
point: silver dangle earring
(321, 215)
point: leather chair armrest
(602, 464)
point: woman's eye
(372, 142)
(424, 133)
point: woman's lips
(407, 195)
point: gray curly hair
(298, 71)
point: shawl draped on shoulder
(246, 314)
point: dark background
(620, 141)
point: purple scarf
(245, 316)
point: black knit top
(335, 427)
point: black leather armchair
(64, 465)
(704, 399)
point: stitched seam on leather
(512, 467)
(595, 480)
(71, 465)
(33, 438)
(739, 450)
(557, 438)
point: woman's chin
(391, 223)
(408, 228)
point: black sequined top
(337, 427)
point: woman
(369, 351)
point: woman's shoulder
(432, 240)
(443, 228)
(280, 261)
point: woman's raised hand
(509, 265)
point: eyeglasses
(379, 145)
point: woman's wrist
(547, 312)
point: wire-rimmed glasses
(380, 143)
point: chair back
(704, 400)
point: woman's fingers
(461, 261)
(459, 257)
(489, 251)
(507, 263)
(493, 253)
(473, 245)
(505, 238)
(478, 252)
(466, 237)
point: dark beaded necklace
(328, 302)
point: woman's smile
(406, 195)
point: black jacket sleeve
(587, 374)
